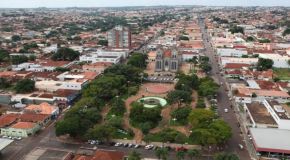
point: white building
(250, 61)
(93, 58)
(279, 113)
(230, 52)
(279, 60)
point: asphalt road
(224, 102)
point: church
(167, 60)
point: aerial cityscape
(144, 80)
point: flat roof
(260, 113)
(271, 140)
(4, 143)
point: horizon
(14, 4)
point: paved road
(224, 102)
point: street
(224, 102)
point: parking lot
(160, 79)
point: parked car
(181, 149)
(137, 146)
(241, 146)
(112, 143)
(226, 110)
(125, 144)
(130, 145)
(118, 144)
(150, 146)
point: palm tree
(161, 153)
(193, 153)
(134, 156)
(180, 155)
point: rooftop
(260, 114)
(271, 140)
(23, 125)
(43, 108)
(6, 120)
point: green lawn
(282, 73)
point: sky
(116, 3)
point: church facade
(167, 60)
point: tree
(4, 83)
(221, 131)
(18, 59)
(193, 153)
(167, 135)
(264, 40)
(161, 153)
(207, 87)
(101, 132)
(264, 64)
(180, 155)
(32, 57)
(61, 69)
(65, 54)
(181, 115)
(134, 156)
(286, 32)
(103, 42)
(226, 156)
(184, 38)
(200, 117)
(15, 38)
(25, 86)
(144, 118)
(4, 55)
(138, 60)
(250, 39)
(178, 95)
(236, 29)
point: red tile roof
(31, 117)
(7, 119)
(167, 53)
(235, 65)
(23, 125)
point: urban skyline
(117, 3)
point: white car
(149, 146)
(136, 146)
(118, 144)
(241, 146)
(226, 110)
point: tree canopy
(65, 54)
(144, 118)
(25, 86)
(286, 32)
(138, 60)
(18, 59)
(207, 87)
(264, 64)
(4, 55)
(236, 29)
(226, 156)
(134, 156)
(207, 129)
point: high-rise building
(119, 37)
